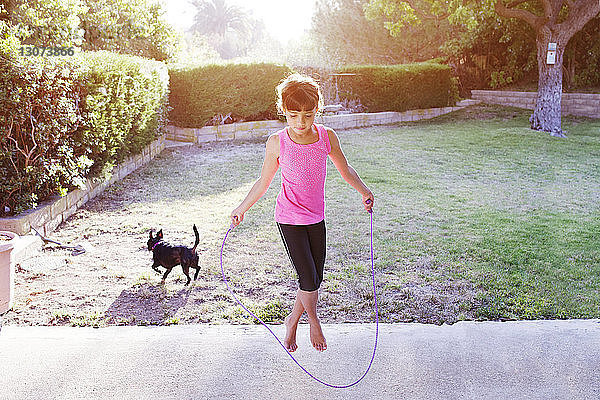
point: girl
(301, 150)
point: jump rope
(283, 346)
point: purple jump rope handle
(282, 345)
(369, 202)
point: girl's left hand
(368, 201)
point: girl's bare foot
(290, 334)
(316, 335)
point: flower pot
(7, 242)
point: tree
(556, 22)
(216, 16)
(45, 23)
(498, 52)
(135, 27)
(335, 25)
(225, 25)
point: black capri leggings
(305, 245)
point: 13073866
(54, 51)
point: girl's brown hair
(298, 93)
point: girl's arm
(347, 172)
(269, 168)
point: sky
(284, 19)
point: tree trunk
(547, 113)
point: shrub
(38, 117)
(136, 27)
(124, 106)
(246, 91)
(64, 119)
(399, 87)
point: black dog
(168, 256)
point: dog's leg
(186, 271)
(155, 266)
(166, 274)
(196, 274)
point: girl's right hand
(368, 201)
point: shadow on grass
(146, 304)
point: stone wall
(48, 215)
(581, 104)
(260, 129)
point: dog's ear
(150, 233)
(159, 234)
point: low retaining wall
(48, 215)
(581, 104)
(260, 129)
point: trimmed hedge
(399, 87)
(65, 119)
(246, 91)
(124, 106)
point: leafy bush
(246, 91)
(124, 106)
(135, 27)
(46, 22)
(64, 119)
(399, 87)
(38, 116)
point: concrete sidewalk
(468, 360)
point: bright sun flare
(284, 19)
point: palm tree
(216, 17)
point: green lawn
(475, 204)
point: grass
(511, 211)
(477, 217)
(62, 317)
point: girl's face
(301, 121)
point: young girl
(301, 150)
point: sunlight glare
(284, 19)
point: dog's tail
(197, 238)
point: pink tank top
(301, 200)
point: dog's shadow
(146, 304)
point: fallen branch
(77, 250)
